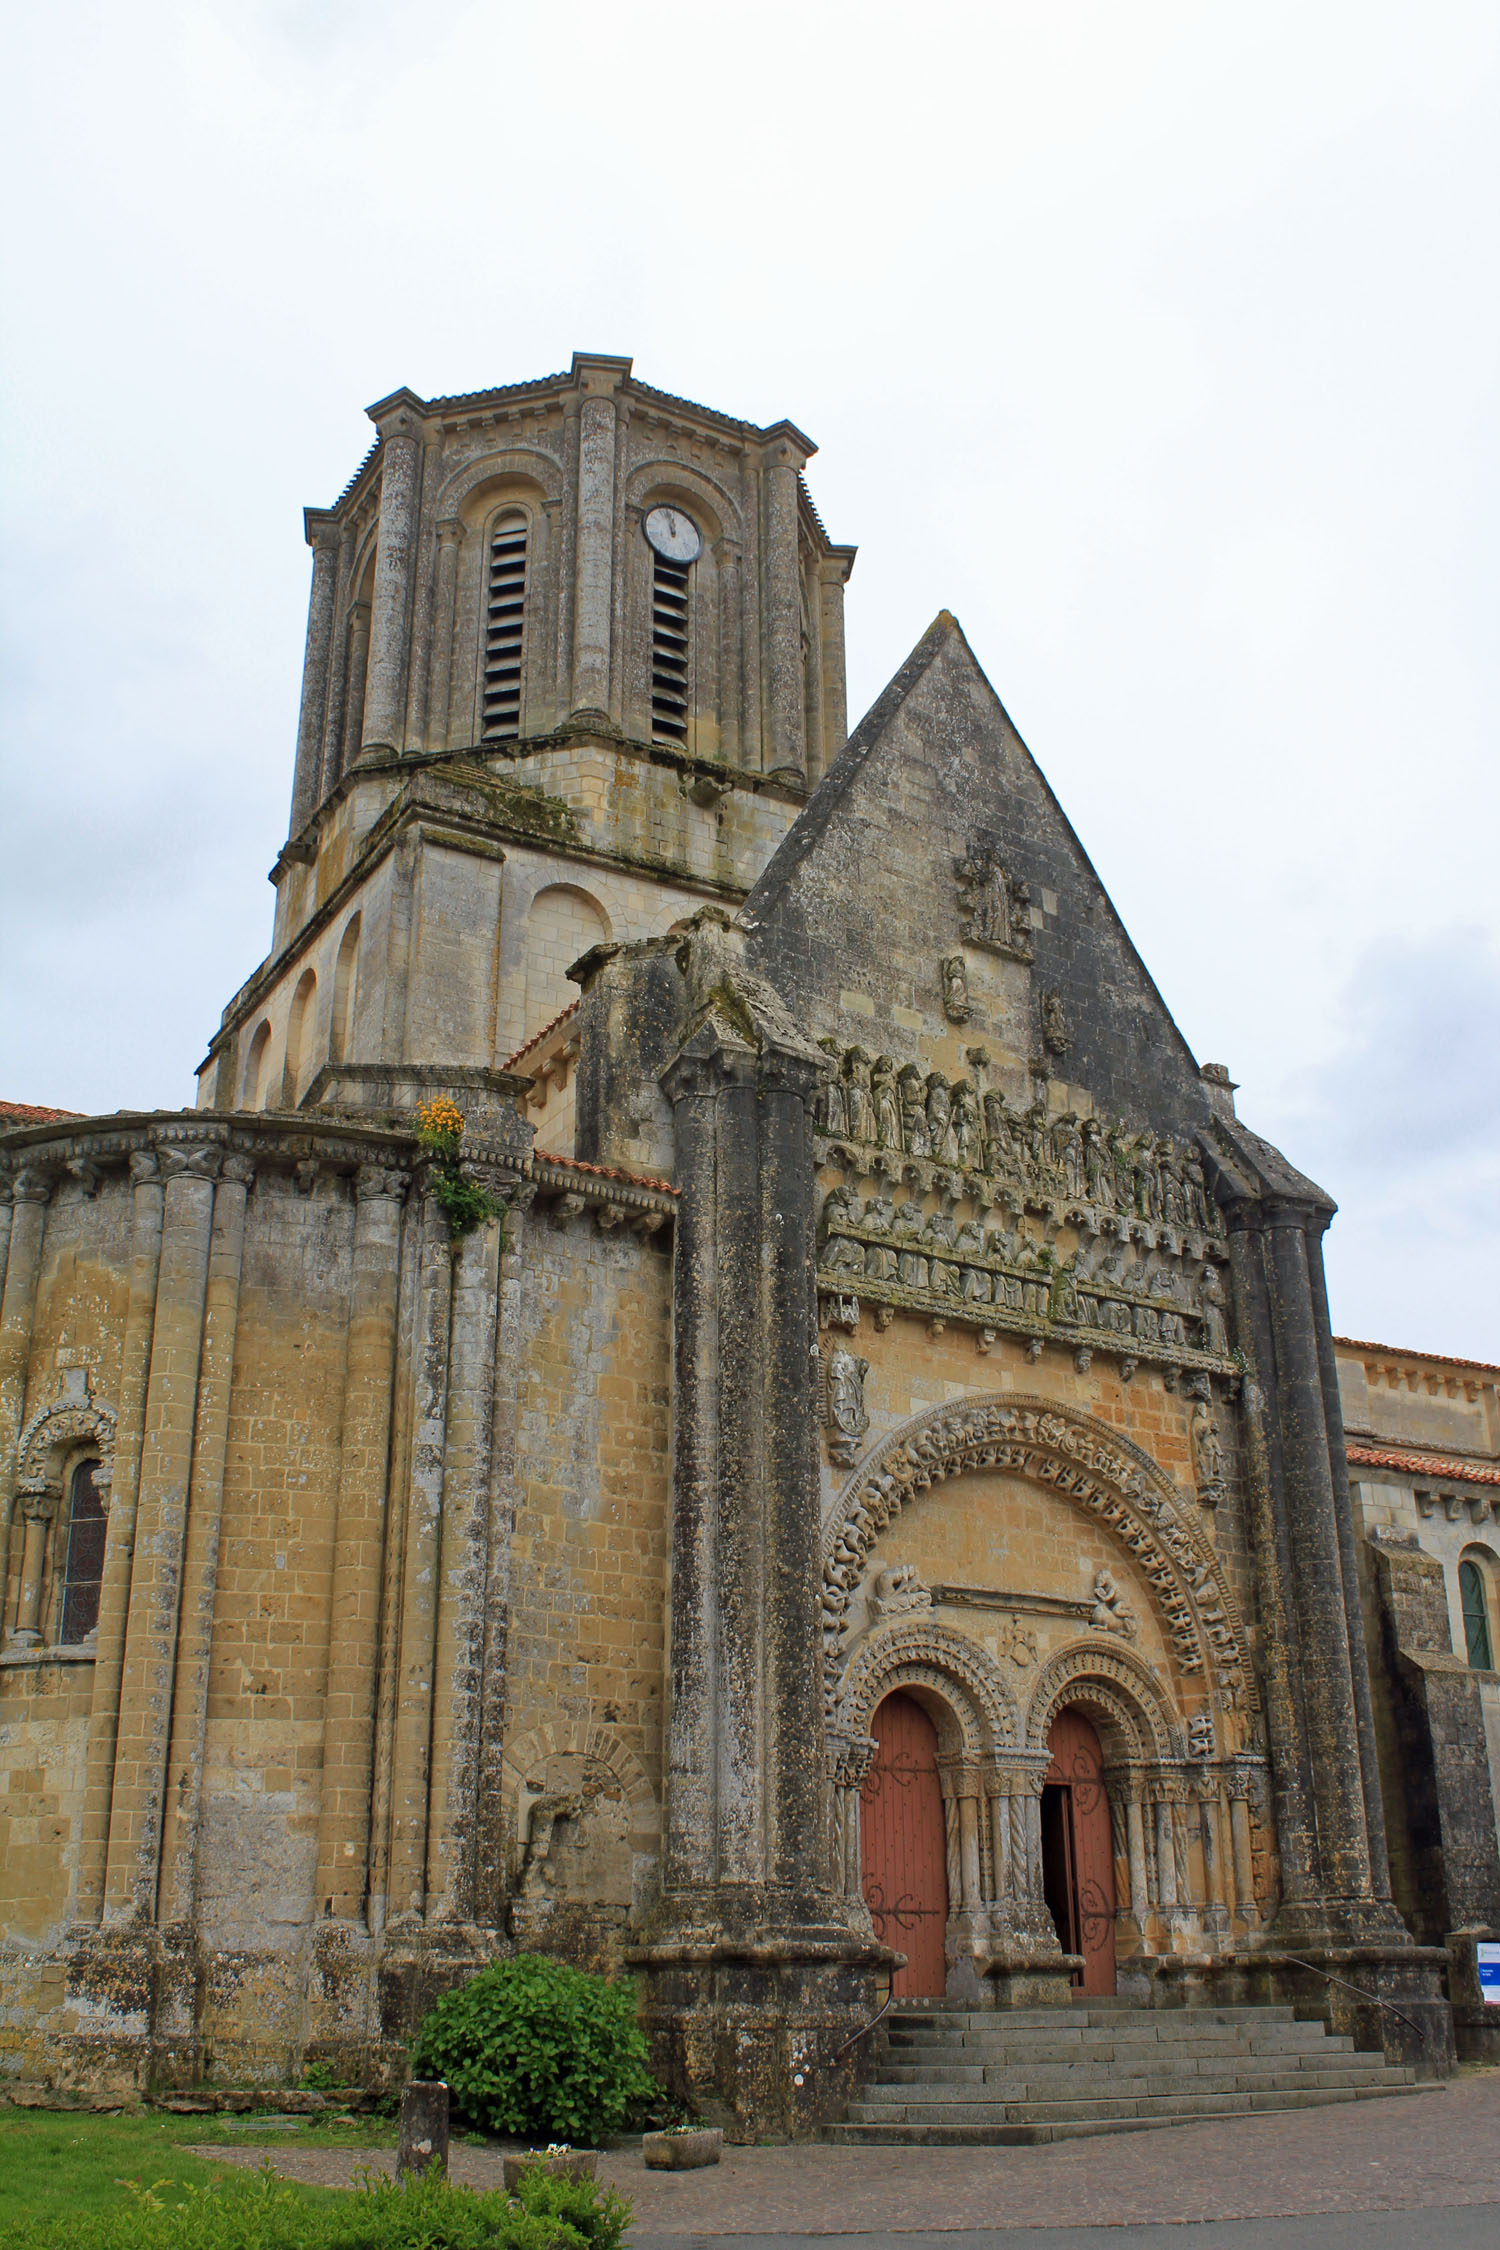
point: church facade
(867, 1507)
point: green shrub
(535, 2048)
(259, 2212)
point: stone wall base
(1386, 1998)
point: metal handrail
(1359, 1993)
(854, 2036)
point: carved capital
(38, 1502)
(144, 1169)
(32, 1186)
(372, 1182)
(198, 1160)
(239, 1171)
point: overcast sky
(1157, 341)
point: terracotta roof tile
(604, 1171)
(1436, 1467)
(538, 1036)
(26, 1113)
(1398, 1351)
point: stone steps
(946, 2076)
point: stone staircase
(943, 2076)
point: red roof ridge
(1400, 1351)
(1421, 1464)
(604, 1171)
(538, 1036)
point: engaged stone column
(359, 1543)
(385, 685)
(184, 1795)
(787, 712)
(38, 1510)
(594, 560)
(119, 1547)
(156, 1583)
(31, 1190)
(444, 610)
(356, 666)
(323, 538)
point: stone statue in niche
(956, 1004)
(944, 1278)
(968, 1139)
(829, 1108)
(1111, 1613)
(848, 1418)
(939, 1118)
(897, 1591)
(880, 1259)
(1067, 1155)
(910, 1228)
(1056, 1037)
(857, 1095)
(1208, 1454)
(1166, 1286)
(887, 1103)
(1098, 1165)
(1211, 1298)
(997, 909)
(913, 1091)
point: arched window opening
(1472, 1600)
(563, 924)
(83, 1568)
(505, 628)
(671, 611)
(255, 1063)
(345, 993)
(296, 1032)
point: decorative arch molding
(520, 464)
(1108, 1681)
(666, 479)
(922, 1653)
(1087, 1463)
(570, 1738)
(56, 1432)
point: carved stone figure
(956, 1004)
(1166, 1286)
(1208, 1454)
(1174, 1201)
(910, 1228)
(1201, 1735)
(940, 1118)
(887, 1103)
(913, 1092)
(829, 1108)
(968, 1150)
(1055, 1035)
(1211, 1297)
(857, 1095)
(848, 1418)
(1098, 1165)
(880, 1260)
(1111, 1613)
(898, 1590)
(1067, 1155)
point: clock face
(674, 535)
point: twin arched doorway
(910, 1845)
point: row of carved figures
(871, 1102)
(1101, 1287)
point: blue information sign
(1489, 1974)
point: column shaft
(315, 667)
(411, 1749)
(458, 1679)
(156, 1582)
(119, 1548)
(1325, 1672)
(357, 665)
(177, 1894)
(27, 1629)
(787, 711)
(385, 684)
(23, 1265)
(444, 610)
(1135, 1843)
(593, 567)
(354, 1605)
(1244, 1864)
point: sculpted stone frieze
(1089, 1465)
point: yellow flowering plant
(466, 1205)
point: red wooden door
(1077, 1771)
(902, 1840)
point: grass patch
(64, 2164)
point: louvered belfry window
(505, 628)
(669, 649)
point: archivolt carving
(1118, 1685)
(921, 1653)
(530, 463)
(58, 1430)
(1091, 1465)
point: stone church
(875, 1511)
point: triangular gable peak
(932, 900)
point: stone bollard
(422, 2141)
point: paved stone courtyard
(1425, 2153)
